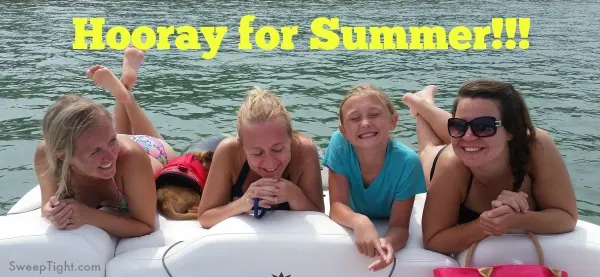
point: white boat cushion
(168, 232)
(32, 246)
(288, 242)
(577, 252)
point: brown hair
(515, 119)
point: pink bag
(502, 270)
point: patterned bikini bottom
(153, 146)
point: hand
(498, 221)
(286, 190)
(56, 212)
(516, 200)
(386, 260)
(367, 239)
(265, 191)
(80, 214)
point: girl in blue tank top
(371, 175)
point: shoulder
(543, 146)
(544, 151)
(304, 150)
(41, 146)
(40, 160)
(448, 158)
(402, 156)
(542, 140)
(130, 153)
(305, 144)
(228, 146)
(40, 149)
(450, 172)
(129, 147)
(227, 155)
(338, 138)
(338, 142)
(401, 151)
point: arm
(44, 175)
(440, 214)
(552, 190)
(309, 192)
(339, 188)
(340, 211)
(397, 233)
(411, 183)
(214, 205)
(52, 210)
(140, 192)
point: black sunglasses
(485, 126)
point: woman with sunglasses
(500, 173)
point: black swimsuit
(464, 214)
(237, 189)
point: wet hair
(515, 119)
(262, 105)
(368, 89)
(63, 123)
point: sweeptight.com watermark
(51, 266)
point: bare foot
(103, 77)
(425, 96)
(132, 60)
(428, 93)
(410, 99)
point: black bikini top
(237, 188)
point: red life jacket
(184, 170)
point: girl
(371, 175)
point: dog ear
(209, 155)
(198, 156)
(206, 156)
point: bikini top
(122, 204)
(465, 214)
(237, 189)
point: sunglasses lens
(457, 127)
(483, 126)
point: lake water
(188, 97)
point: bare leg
(123, 126)
(99, 72)
(141, 124)
(421, 103)
(132, 60)
(431, 126)
(130, 113)
(429, 146)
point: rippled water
(188, 97)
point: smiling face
(96, 151)
(267, 146)
(366, 121)
(478, 151)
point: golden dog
(179, 202)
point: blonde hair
(262, 105)
(62, 124)
(368, 89)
